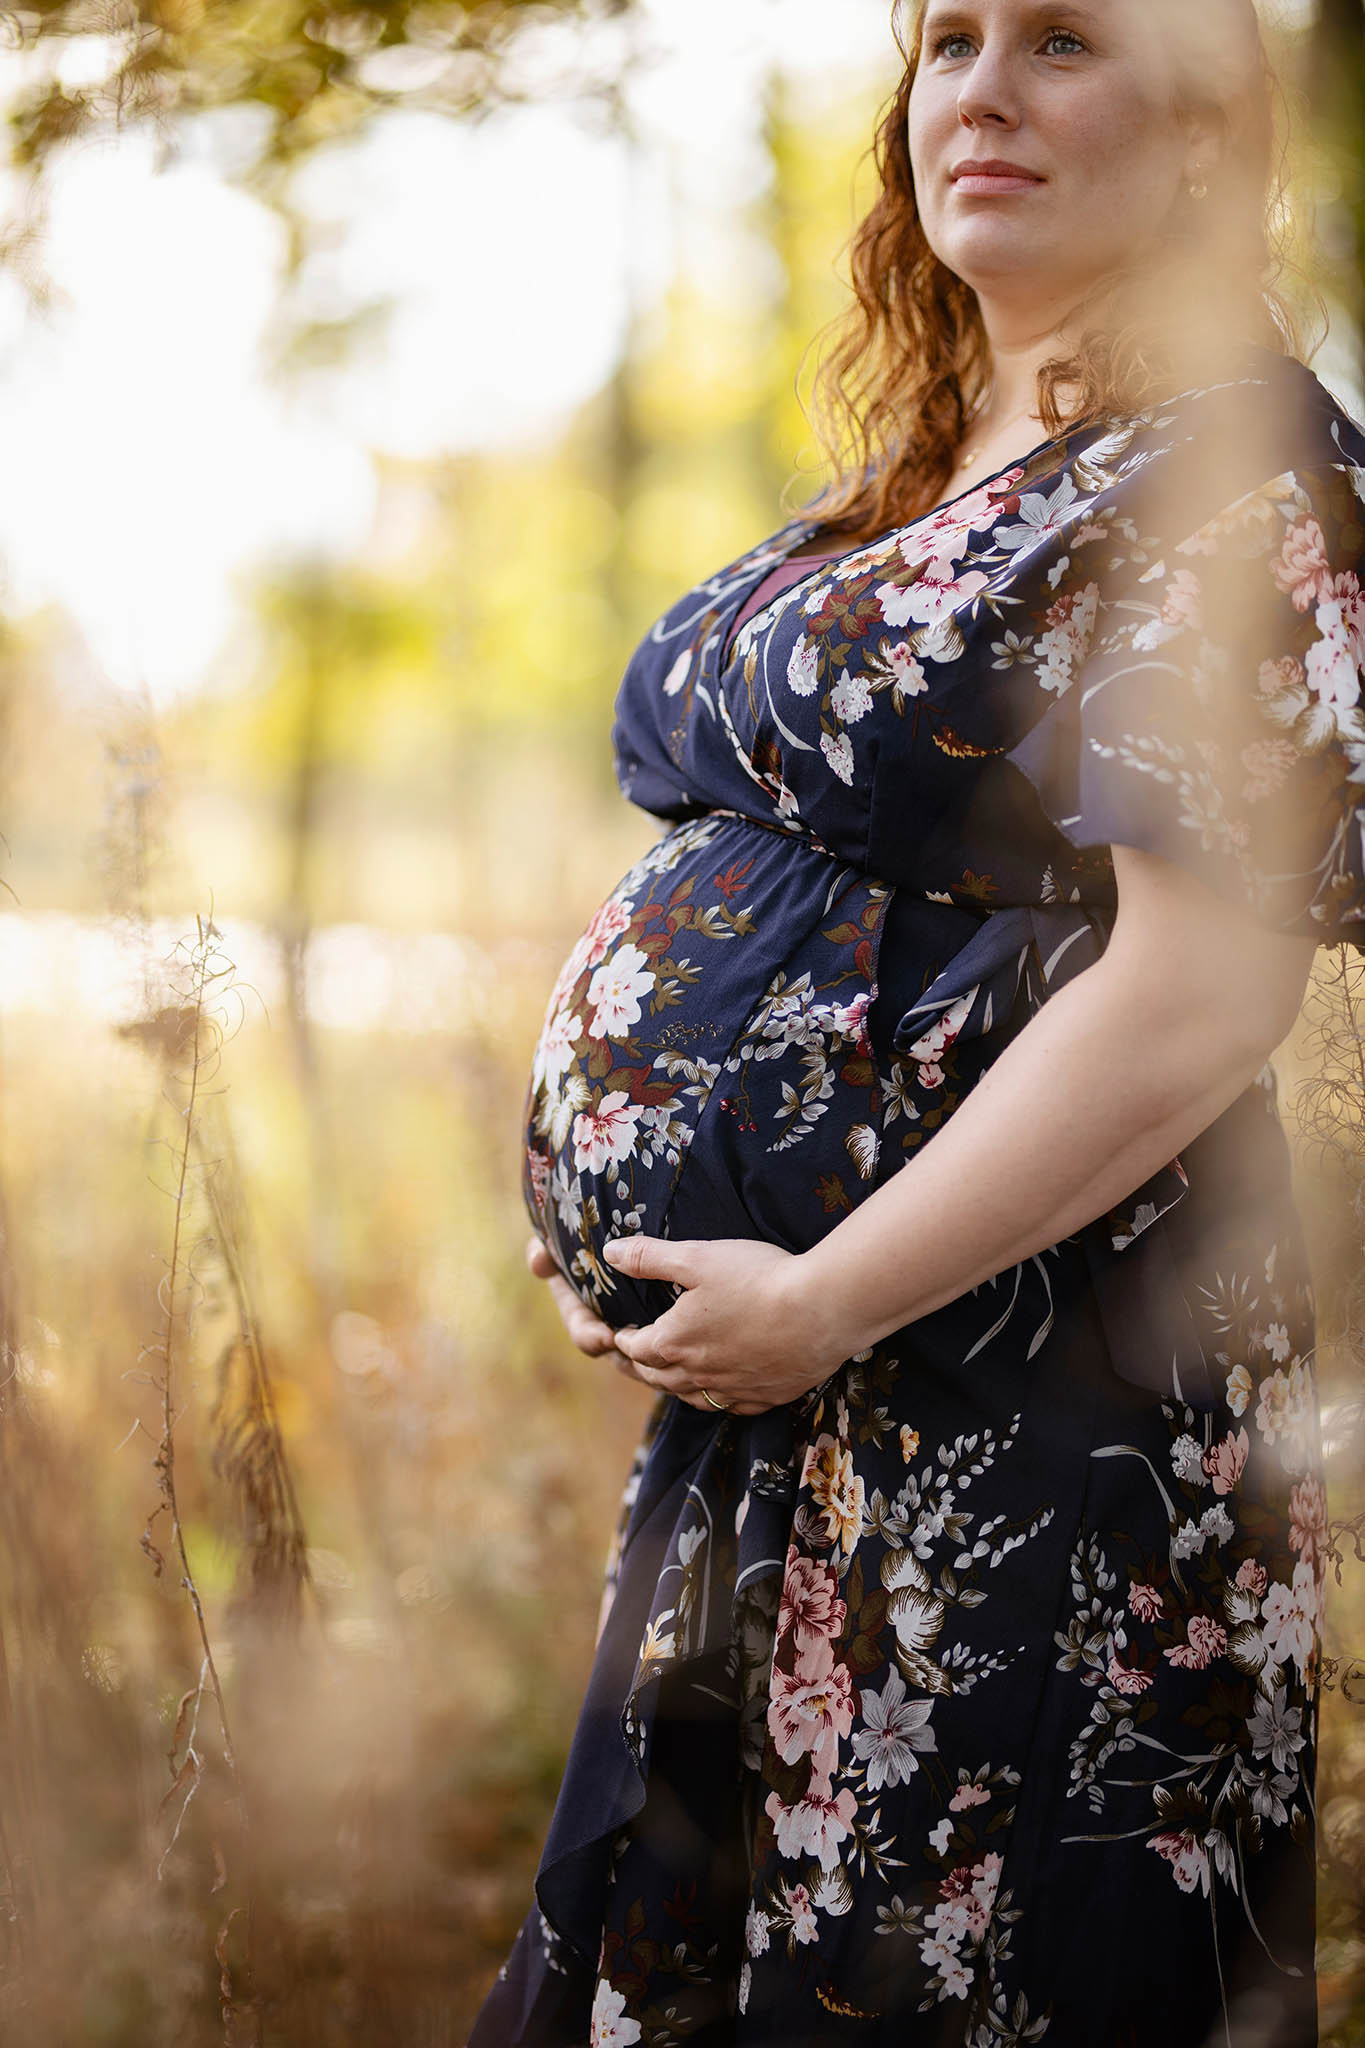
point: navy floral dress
(970, 1699)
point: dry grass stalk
(204, 978)
(248, 1445)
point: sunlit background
(370, 378)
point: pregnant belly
(705, 1068)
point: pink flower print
(1251, 1576)
(1223, 1462)
(538, 1171)
(1187, 1857)
(1276, 678)
(1144, 1602)
(810, 1608)
(952, 522)
(1290, 1616)
(849, 1020)
(1070, 624)
(1267, 763)
(1206, 1639)
(802, 1912)
(606, 1135)
(1303, 571)
(815, 1826)
(1183, 604)
(615, 991)
(968, 1795)
(907, 674)
(936, 593)
(608, 925)
(807, 1717)
(1308, 1520)
(1124, 1679)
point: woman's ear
(1205, 145)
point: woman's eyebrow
(941, 13)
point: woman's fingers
(538, 1258)
(651, 1258)
(587, 1332)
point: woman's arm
(1108, 1080)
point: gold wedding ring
(723, 1406)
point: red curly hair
(906, 362)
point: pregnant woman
(905, 1117)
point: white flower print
(940, 1836)
(606, 1134)
(1290, 1614)
(815, 1826)
(554, 1054)
(803, 670)
(1188, 1859)
(609, 2027)
(839, 753)
(851, 698)
(568, 1200)
(1187, 1458)
(677, 675)
(615, 991)
(756, 1932)
(1040, 514)
(1276, 1729)
(1188, 1541)
(896, 1728)
(1277, 1342)
(746, 1978)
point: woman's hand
(593, 1337)
(747, 1328)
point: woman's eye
(952, 45)
(1065, 36)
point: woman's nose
(989, 97)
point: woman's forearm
(1104, 1085)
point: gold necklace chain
(966, 461)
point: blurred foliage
(315, 71)
(399, 793)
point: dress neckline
(825, 563)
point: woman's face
(1080, 102)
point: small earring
(1198, 187)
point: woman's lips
(987, 179)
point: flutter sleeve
(1218, 717)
